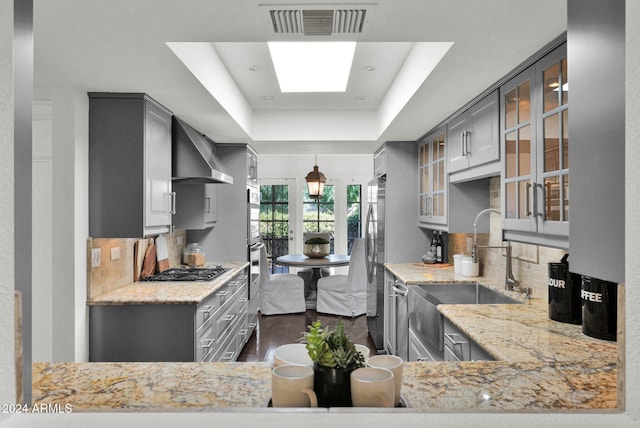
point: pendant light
(315, 182)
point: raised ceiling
(124, 46)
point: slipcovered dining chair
(346, 294)
(281, 293)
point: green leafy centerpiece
(334, 357)
(316, 248)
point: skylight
(312, 66)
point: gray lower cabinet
(459, 347)
(196, 206)
(216, 329)
(130, 192)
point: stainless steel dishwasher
(397, 342)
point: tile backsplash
(112, 274)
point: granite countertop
(167, 292)
(543, 364)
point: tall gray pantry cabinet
(130, 192)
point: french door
(275, 223)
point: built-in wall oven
(254, 244)
(253, 206)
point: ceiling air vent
(319, 20)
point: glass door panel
(524, 102)
(511, 155)
(511, 199)
(565, 139)
(551, 131)
(524, 151)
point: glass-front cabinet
(534, 135)
(432, 163)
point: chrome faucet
(510, 282)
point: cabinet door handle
(467, 152)
(173, 202)
(208, 199)
(463, 144)
(206, 343)
(206, 310)
(228, 356)
(527, 207)
(455, 341)
(547, 201)
(400, 288)
(223, 296)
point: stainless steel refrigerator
(392, 235)
(374, 254)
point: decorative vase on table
(334, 357)
(316, 248)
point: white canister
(469, 268)
(457, 263)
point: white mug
(393, 363)
(364, 350)
(292, 386)
(372, 387)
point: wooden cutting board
(139, 250)
(162, 253)
(149, 264)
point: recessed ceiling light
(268, 98)
(255, 68)
(312, 66)
(360, 98)
(368, 68)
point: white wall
(60, 331)
(7, 279)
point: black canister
(564, 293)
(599, 308)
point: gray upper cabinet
(443, 205)
(196, 205)
(252, 167)
(473, 140)
(535, 151)
(433, 183)
(597, 130)
(130, 192)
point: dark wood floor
(275, 330)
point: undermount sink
(463, 294)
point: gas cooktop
(188, 274)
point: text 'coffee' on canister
(599, 308)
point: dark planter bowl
(332, 385)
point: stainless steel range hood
(194, 157)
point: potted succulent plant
(334, 357)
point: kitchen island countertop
(545, 365)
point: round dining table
(316, 264)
